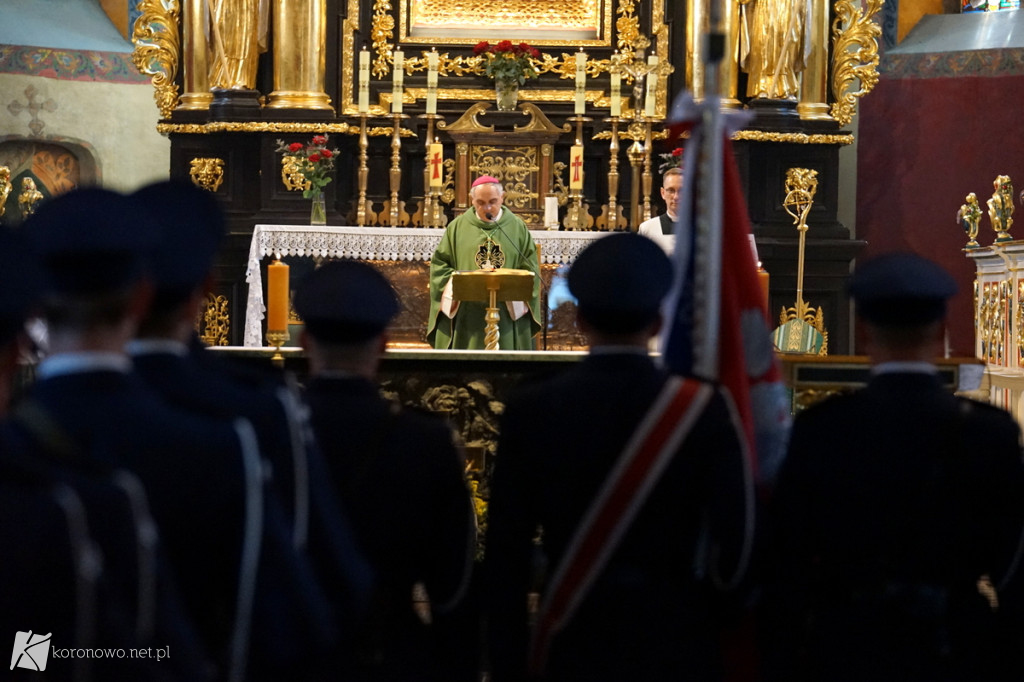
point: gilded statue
(29, 197)
(1000, 208)
(238, 33)
(777, 33)
(5, 188)
(969, 216)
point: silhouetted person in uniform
(895, 505)
(633, 577)
(399, 475)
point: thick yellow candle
(652, 87)
(581, 83)
(576, 167)
(763, 278)
(364, 81)
(432, 82)
(436, 165)
(277, 297)
(398, 80)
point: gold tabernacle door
(491, 286)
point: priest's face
(670, 191)
(487, 200)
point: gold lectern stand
(492, 286)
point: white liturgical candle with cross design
(576, 167)
(364, 81)
(432, 82)
(396, 90)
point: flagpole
(709, 203)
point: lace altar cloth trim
(368, 243)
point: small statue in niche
(777, 32)
(5, 188)
(1000, 208)
(969, 216)
(29, 197)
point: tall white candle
(581, 83)
(432, 82)
(364, 81)
(652, 87)
(396, 90)
(616, 93)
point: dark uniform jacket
(649, 615)
(893, 502)
(401, 482)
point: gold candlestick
(363, 173)
(276, 338)
(647, 169)
(636, 158)
(610, 211)
(576, 216)
(396, 170)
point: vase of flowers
(673, 159)
(314, 162)
(509, 65)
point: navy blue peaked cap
(20, 283)
(190, 231)
(345, 301)
(619, 282)
(90, 241)
(901, 289)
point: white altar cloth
(368, 243)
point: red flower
(313, 158)
(524, 48)
(319, 139)
(535, 53)
(295, 147)
(481, 47)
(678, 151)
(504, 46)
(327, 153)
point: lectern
(491, 286)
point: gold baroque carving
(291, 174)
(629, 135)
(207, 172)
(513, 166)
(381, 33)
(793, 138)
(216, 321)
(854, 55)
(250, 127)
(158, 50)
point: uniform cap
(345, 301)
(619, 282)
(901, 289)
(190, 230)
(90, 241)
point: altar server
(898, 510)
(399, 475)
(639, 507)
(487, 236)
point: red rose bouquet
(507, 62)
(315, 161)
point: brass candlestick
(396, 170)
(636, 158)
(431, 198)
(610, 211)
(364, 172)
(647, 169)
(277, 338)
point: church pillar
(196, 95)
(300, 37)
(813, 104)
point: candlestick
(277, 296)
(363, 173)
(432, 81)
(652, 86)
(397, 80)
(395, 173)
(612, 209)
(364, 81)
(581, 81)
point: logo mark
(31, 651)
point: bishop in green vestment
(486, 236)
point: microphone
(509, 240)
(489, 216)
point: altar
(403, 255)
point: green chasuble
(463, 247)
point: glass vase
(507, 94)
(318, 210)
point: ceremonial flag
(717, 326)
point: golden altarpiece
(230, 83)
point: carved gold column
(300, 32)
(697, 27)
(195, 56)
(813, 104)
(729, 68)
